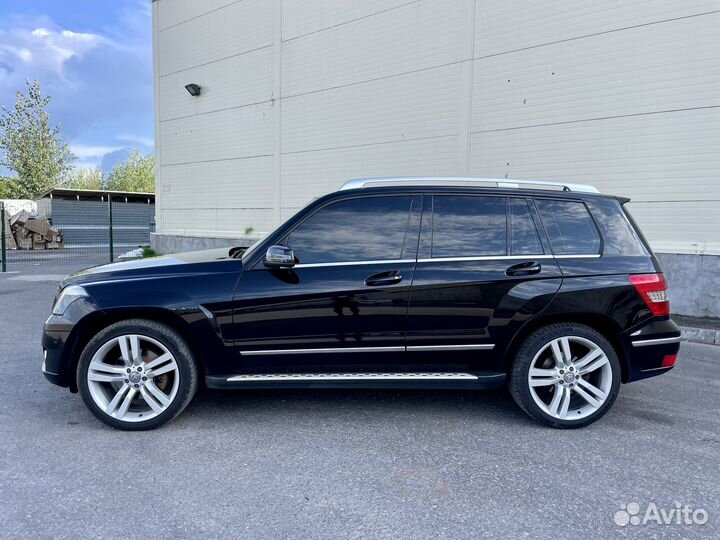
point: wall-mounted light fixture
(193, 89)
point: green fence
(78, 229)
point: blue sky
(94, 57)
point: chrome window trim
(658, 341)
(260, 377)
(508, 258)
(448, 259)
(352, 263)
(485, 258)
(399, 348)
(590, 256)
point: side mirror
(279, 257)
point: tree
(33, 148)
(9, 187)
(136, 173)
(84, 178)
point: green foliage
(32, 147)
(149, 252)
(137, 173)
(9, 187)
(85, 178)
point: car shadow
(447, 407)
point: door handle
(384, 278)
(524, 269)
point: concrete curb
(708, 336)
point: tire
(589, 382)
(136, 375)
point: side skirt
(475, 380)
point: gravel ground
(347, 464)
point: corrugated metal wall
(84, 224)
(299, 96)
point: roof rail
(359, 183)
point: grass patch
(149, 252)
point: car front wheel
(565, 375)
(137, 374)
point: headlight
(67, 296)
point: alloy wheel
(570, 378)
(133, 378)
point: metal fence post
(3, 253)
(110, 220)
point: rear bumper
(652, 349)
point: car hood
(190, 262)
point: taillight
(653, 289)
(669, 360)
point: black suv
(387, 283)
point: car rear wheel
(565, 375)
(137, 374)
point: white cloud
(53, 48)
(100, 78)
(139, 139)
(11, 51)
(83, 151)
(85, 165)
(25, 54)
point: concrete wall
(694, 282)
(169, 243)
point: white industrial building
(297, 96)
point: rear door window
(569, 226)
(524, 239)
(468, 226)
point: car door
(483, 270)
(345, 301)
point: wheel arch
(89, 326)
(603, 324)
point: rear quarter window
(619, 235)
(569, 226)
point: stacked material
(25, 232)
(9, 237)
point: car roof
(487, 186)
(434, 181)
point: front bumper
(60, 335)
(56, 334)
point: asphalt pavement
(311, 464)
